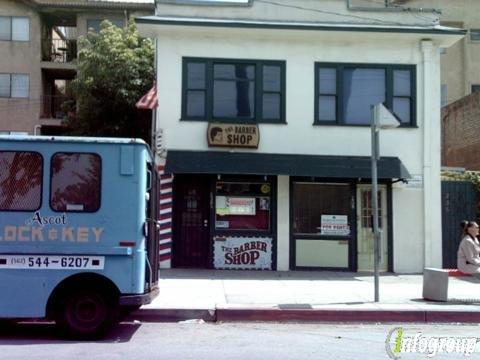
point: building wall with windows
(307, 86)
(460, 66)
(20, 75)
(42, 63)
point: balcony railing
(53, 106)
(60, 50)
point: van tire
(86, 314)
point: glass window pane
(242, 206)
(271, 78)
(5, 28)
(327, 108)
(234, 71)
(75, 183)
(196, 103)
(20, 29)
(401, 108)
(475, 34)
(20, 85)
(233, 99)
(20, 180)
(4, 85)
(327, 79)
(362, 88)
(271, 106)
(117, 22)
(242, 213)
(401, 83)
(311, 201)
(94, 25)
(196, 76)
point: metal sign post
(375, 157)
(382, 118)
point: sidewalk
(223, 295)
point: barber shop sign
(243, 253)
(230, 135)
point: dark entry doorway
(191, 221)
(459, 202)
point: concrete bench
(435, 283)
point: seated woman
(468, 255)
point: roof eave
(97, 5)
(155, 20)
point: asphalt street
(195, 340)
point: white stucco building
(265, 111)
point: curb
(306, 315)
(319, 315)
(165, 315)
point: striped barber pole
(166, 196)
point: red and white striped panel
(165, 218)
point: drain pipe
(432, 224)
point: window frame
(389, 88)
(258, 95)
(11, 28)
(10, 87)
(42, 169)
(99, 180)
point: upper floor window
(475, 34)
(233, 90)
(344, 93)
(75, 182)
(96, 24)
(20, 180)
(14, 85)
(14, 28)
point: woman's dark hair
(465, 225)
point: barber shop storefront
(224, 221)
(249, 210)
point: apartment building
(38, 47)
(460, 64)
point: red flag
(149, 101)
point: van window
(75, 182)
(20, 180)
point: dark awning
(221, 162)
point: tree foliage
(115, 69)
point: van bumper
(139, 299)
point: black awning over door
(249, 163)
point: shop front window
(322, 225)
(321, 209)
(242, 206)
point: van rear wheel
(86, 314)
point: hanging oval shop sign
(233, 135)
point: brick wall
(461, 133)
